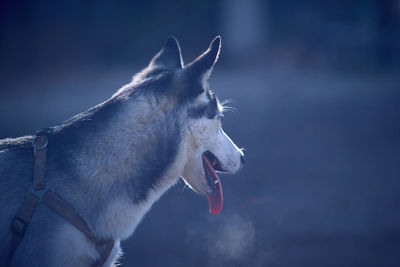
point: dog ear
(201, 67)
(170, 56)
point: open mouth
(211, 165)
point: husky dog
(113, 161)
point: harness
(41, 193)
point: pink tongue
(215, 198)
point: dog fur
(113, 161)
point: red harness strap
(40, 193)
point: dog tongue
(215, 198)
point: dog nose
(242, 160)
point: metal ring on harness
(38, 148)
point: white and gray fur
(112, 162)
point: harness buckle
(39, 193)
(18, 226)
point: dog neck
(123, 164)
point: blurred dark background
(316, 86)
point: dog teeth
(216, 182)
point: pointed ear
(170, 56)
(201, 67)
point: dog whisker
(226, 107)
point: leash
(41, 193)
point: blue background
(316, 86)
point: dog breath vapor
(225, 239)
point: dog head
(207, 148)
